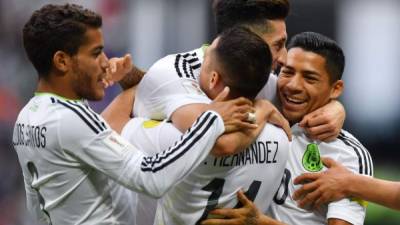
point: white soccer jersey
(68, 154)
(257, 170)
(345, 149)
(173, 81)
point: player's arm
(119, 111)
(85, 136)
(334, 221)
(338, 183)
(325, 123)
(232, 143)
(249, 214)
(123, 71)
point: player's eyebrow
(98, 49)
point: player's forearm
(386, 193)
(334, 221)
(185, 116)
(132, 78)
(118, 112)
(232, 143)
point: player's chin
(97, 95)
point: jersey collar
(54, 95)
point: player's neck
(57, 88)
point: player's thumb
(222, 95)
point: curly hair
(56, 28)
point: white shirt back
(257, 170)
(173, 82)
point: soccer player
(310, 78)
(258, 169)
(172, 82)
(71, 159)
(338, 182)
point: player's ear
(337, 89)
(214, 80)
(62, 61)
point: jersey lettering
(29, 135)
(258, 153)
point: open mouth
(292, 102)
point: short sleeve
(163, 90)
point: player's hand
(247, 215)
(324, 187)
(234, 112)
(119, 68)
(272, 115)
(325, 123)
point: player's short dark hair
(56, 28)
(245, 61)
(323, 46)
(250, 13)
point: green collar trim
(55, 95)
(204, 47)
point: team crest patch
(312, 158)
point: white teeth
(297, 101)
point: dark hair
(253, 14)
(323, 46)
(56, 28)
(245, 61)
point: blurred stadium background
(368, 31)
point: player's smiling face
(304, 84)
(89, 67)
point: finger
(306, 178)
(243, 198)
(127, 59)
(105, 82)
(244, 109)
(225, 212)
(309, 199)
(306, 118)
(328, 162)
(113, 66)
(288, 130)
(220, 222)
(278, 120)
(317, 120)
(304, 190)
(322, 200)
(317, 130)
(328, 136)
(246, 125)
(242, 101)
(222, 95)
